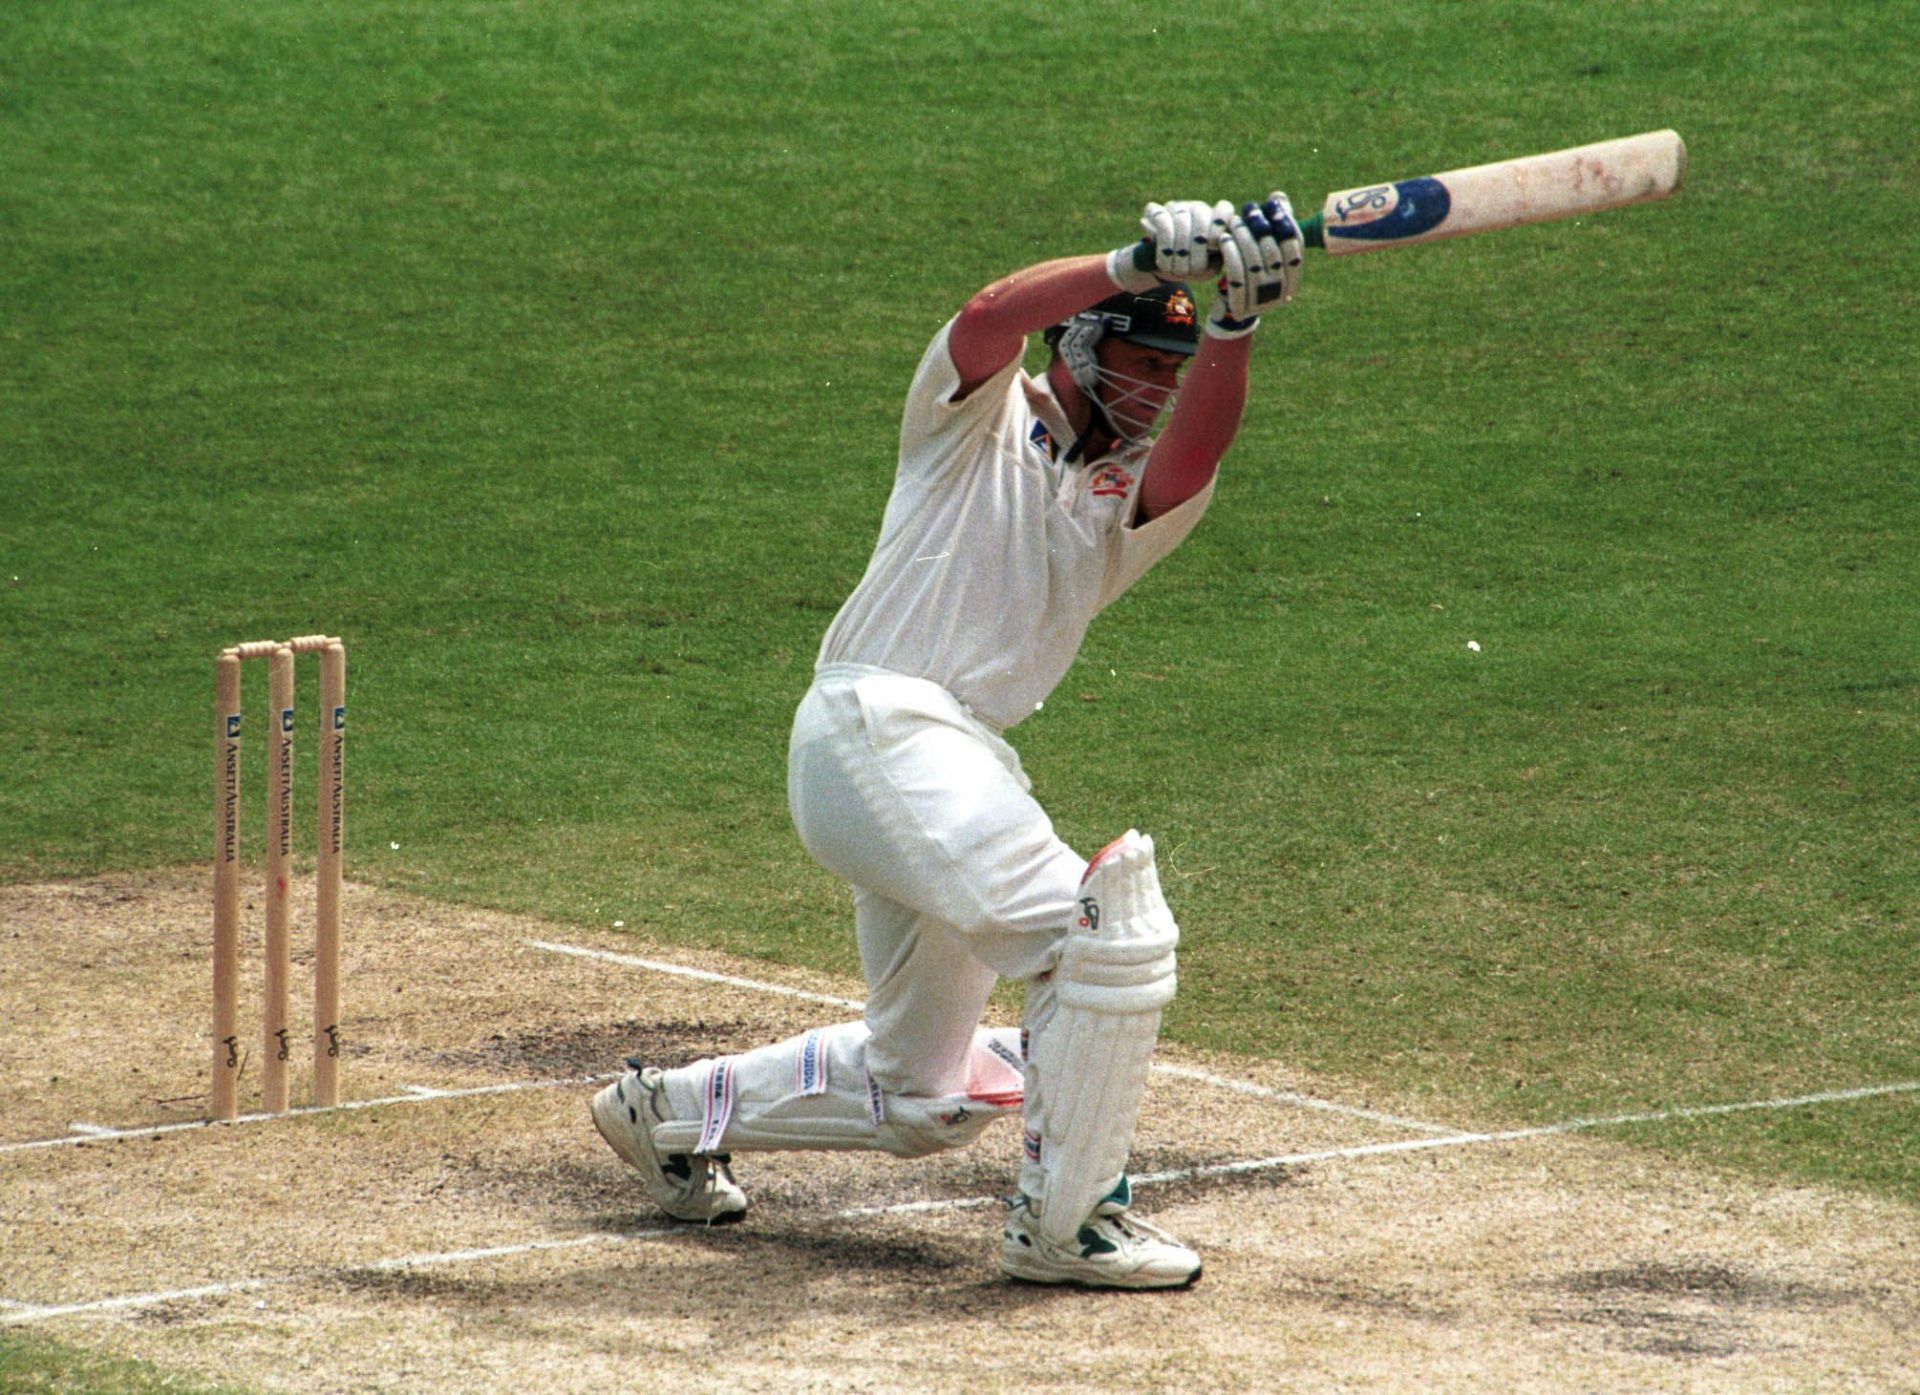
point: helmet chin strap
(1097, 420)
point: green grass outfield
(554, 357)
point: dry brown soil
(490, 1241)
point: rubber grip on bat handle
(1312, 232)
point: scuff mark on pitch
(1682, 1310)
(590, 1048)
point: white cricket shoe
(687, 1186)
(1112, 1250)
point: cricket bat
(1506, 194)
(1487, 198)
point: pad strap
(718, 1113)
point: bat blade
(1505, 194)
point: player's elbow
(983, 339)
(984, 316)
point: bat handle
(1313, 232)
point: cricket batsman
(1022, 507)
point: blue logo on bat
(1389, 212)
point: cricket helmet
(1161, 318)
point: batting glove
(1182, 238)
(1260, 259)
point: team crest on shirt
(1110, 482)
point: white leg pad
(1091, 1055)
(813, 1092)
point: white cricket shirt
(993, 557)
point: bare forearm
(994, 325)
(1037, 296)
(1204, 423)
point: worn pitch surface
(489, 1241)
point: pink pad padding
(994, 1073)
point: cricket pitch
(464, 1229)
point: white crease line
(529, 1247)
(143, 1300)
(416, 1094)
(1410, 1145)
(918, 1208)
(1247, 1087)
(703, 975)
(1183, 1072)
(15, 1313)
(1357, 1150)
(1699, 1111)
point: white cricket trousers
(958, 877)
